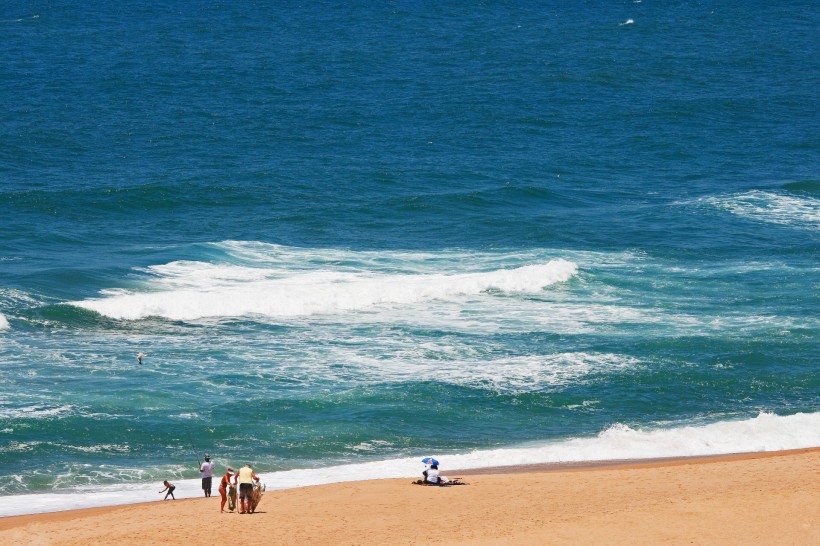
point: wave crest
(196, 290)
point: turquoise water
(356, 234)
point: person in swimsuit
(245, 477)
(223, 487)
(170, 488)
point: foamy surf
(764, 433)
(208, 291)
(776, 208)
(4, 323)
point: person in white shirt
(207, 470)
(431, 475)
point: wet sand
(760, 498)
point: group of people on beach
(245, 478)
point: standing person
(170, 488)
(207, 470)
(223, 487)
(246, 477)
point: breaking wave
(196, 290)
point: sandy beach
(761, 498)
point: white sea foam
(508, 375)
(100, 448)
(4, 323)
(766, 432)
(481, 293)
(36, 412)
(18, 447)
(201, 275)
(190, 291)
(776, 208)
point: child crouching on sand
(170, 487)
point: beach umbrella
(429, 460)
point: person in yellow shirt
(245, 477)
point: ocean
(351, 235)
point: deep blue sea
(348, 235)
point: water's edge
(578, 466)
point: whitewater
(312, 293)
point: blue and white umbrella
(429, 460)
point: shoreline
(478, 471)
(771, 497)
(629, 463)
(622, 445)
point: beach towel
(445, 482)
